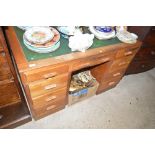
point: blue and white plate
(105, 29)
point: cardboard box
(83, 94)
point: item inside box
(81, 80)
(82, 85)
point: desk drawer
(91, 61)
(108, 83)
(126, 52)
(121, 63)
(45, 73)
(5, 72)
(49, 109)
(51, 98)
(116, 73)
(8, 93)
(45, 86)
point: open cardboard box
(83, 94)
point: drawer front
(8, 93)
(5, 72)
(121, 63)
(45, 73)
(50, 98)
(91, 61)
(126, 52)
(108, 83)
(148, 53)
(49, 109)
(44, 86)
(115, 74)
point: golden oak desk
(46, 81)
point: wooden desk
(46, 81)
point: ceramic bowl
(67, 31)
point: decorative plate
(38, 35)
(105, 29)
(43, 50)
(127, 37)
(51, 43)
(102, 36)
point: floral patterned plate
(52, 42)
(39, 35)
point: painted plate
(102, 36)
(127, 37)
(39, 35)
(52, 42)
(105, 29)
(43, 50)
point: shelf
(14, 115)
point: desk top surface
(62, 50)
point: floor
(131, 104)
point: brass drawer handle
(122, 63)
(50, 86)
(50, 107)
(105, 59)
(50, 98)
(111, 83)
(116, 74)
(128, 53)
(50, 75)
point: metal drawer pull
(46, 76)
(128, 53)
(152, 52)
(116, 74)
(50, 86)
(105, 59)
(50, 98)
(122, 63)
(111, 83)
(50, 107)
